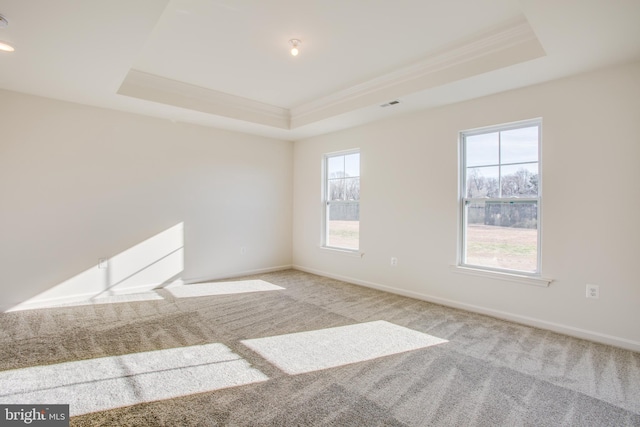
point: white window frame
(464, 200)
(327, 203)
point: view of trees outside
(343, 195)
(523, 182)
(501, 191)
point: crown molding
(508, 44)
(150, 87)
(515, 42)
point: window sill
(346, 252)
(509, 277)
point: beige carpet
(290, 348)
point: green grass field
(502, 247)
(344, 234)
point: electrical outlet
(593, 291)
(243, 250)
(394, 261)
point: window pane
(519, 145)
(520, 180)
(335, 189)
(335, 167)
(344, 225)
(482, 150)
(502, 235)
(482, 182)
(352, 189)
(352, 165)
(342, 218)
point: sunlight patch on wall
(111, 382)
(329, 348)
(139, 268)
(149, 263)
(221, 288)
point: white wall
(409, 207)
(79, 183)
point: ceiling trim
(509, 44)
(507, 39)
(150, 87)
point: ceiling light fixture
(294, 46)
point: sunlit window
(500, 201)
(342, 200)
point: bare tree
(521, 183)
(475, 184)
(352, 189)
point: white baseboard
(35, 303)
(236, 274)
(516, 318)
(49, 302)
(80, 298)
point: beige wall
(80, 183)
(409, 207)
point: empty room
(319, 213)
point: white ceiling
(226, 63)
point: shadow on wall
(152, 263)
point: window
(500, 201)
(342, 200)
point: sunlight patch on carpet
(328, 348)
(111, 382)
(221, 288)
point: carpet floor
(293, 349)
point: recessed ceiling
(241, 47)
(226, 63)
